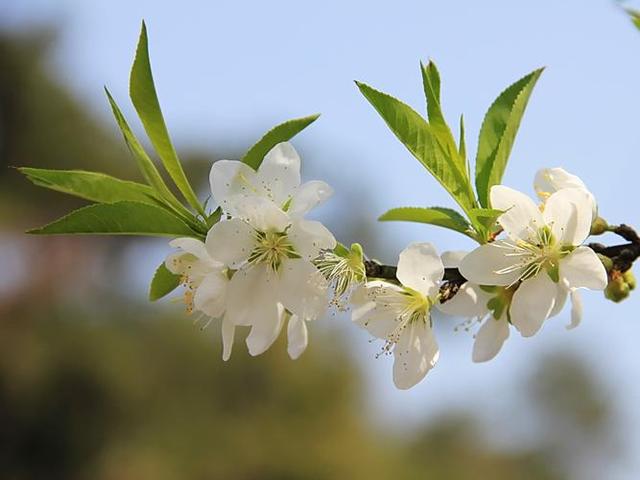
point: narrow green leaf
(280, 133)
(431, 86)
(442, 217)
(484, 219)
(635, 17)
(341, 250)
(462, 144)
(442, 132)
(418, 136)
(145, 100)
(121, 218)
(163, 283)
(214, 217)
(145, 164)
(498, 133)
(92, 186)
(148, 168)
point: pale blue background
(228, 70)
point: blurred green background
(95, 383)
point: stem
(622, 255)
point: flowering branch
(254, 260)
(622, 256)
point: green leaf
(145, 164)
(442, 132)
(280, 133)
(163, 283)
(498, 133)
(145, 100)
(442, 217)
(92, 186)
(462, 145)
(635, 17)
(120, 218)
(484, 219)
(214, 217)
(431, 86)
(417, 135)
(341, 250)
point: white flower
(472, 302)
(549, 180)
(277, 178)
(401, 315)
(262, 335)
(270, 249)
(205, 281)
(543, 256)
(297, 336)
(344, 270)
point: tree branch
(622, 256)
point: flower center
(543, 252)
(409, 306)
(271, 249)
(344, 273)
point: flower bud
(606, 262)
(599, 226)
(630, 279)
(619, 286)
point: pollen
(343, 273)
(188, 301)
(541, 252)
(271, 249)
(410, 306)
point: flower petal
(576, 309)
(302, 289)
(372, 309)
(251, 295)
(279, 173)
(583, 269)
(228, 334)
(521, 219)
(561, 299)
(307, 196)
(211, 295)
(174, 264)
(491, 264)
(265, 331)
(470, 301)
(309, 237)
(262, 214)
(531, 304)
(231, 242)
(232, 181)
(297, 337)
(550, 180)
(489, 339)
(415, 354)
(452, 259)
(420, 268)
(569, 214)
(191, 245)
(193, 259)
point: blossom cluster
(263, 265)
(256, 266)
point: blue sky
(228, 70)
